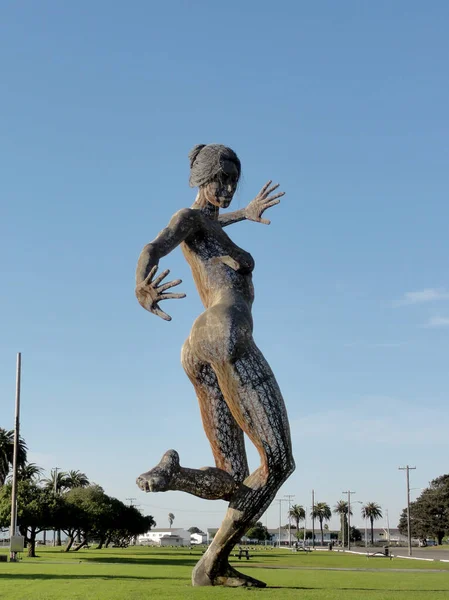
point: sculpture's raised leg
(209, 482)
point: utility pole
(409, 530)
(313, 519)
(131, 503)
(349, 517)
(13, 526)
(289, 497)
(305, 525)
(280, 500)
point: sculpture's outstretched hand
(263, 200)
(149, 293)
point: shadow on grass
(351, 589)
(188, 562)
(33, 576)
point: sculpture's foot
(227, 577)
(158, 479)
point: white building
(198, 538)
(381, 534)
(165, 537)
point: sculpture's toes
(159, 478)
(226, 577)
(233, 578)
(142, 482)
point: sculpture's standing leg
(256, 403)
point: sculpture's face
(221, 190)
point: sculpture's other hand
(263, 200)
(149, 293)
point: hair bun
(194, 153)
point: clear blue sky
(345, 104)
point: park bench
(243, 552)
(385, 552)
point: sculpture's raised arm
(149, 292)
(255, 209)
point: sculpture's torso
(221, 270)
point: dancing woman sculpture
(236, 389)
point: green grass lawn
(137, 573)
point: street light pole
(15, 465)
(388, 525)
(409, 529)
(313, 519)
(280, 500)
(349, 517)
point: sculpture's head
(215, 169)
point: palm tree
(297, 513)
(7, 453)
(171, 518)
(372, 511)
(322, 512)
(74, 479)
(56, 481)
(30, 472)
(341, 508)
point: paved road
(416, 552)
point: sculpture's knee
(188, 360)
(280, 467)
(291, 466)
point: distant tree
(258, 532)
(56, 483)
(356, 535)
(171, 518)
(341, 509)
(429, 513)
(37, 509)
(28, 472)
(7, 453)
(300, 534)
(88, 512)
(322, 512)
(126, 524)
(195, 530)
(297, 513)
(372, 511)
(75, 479)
